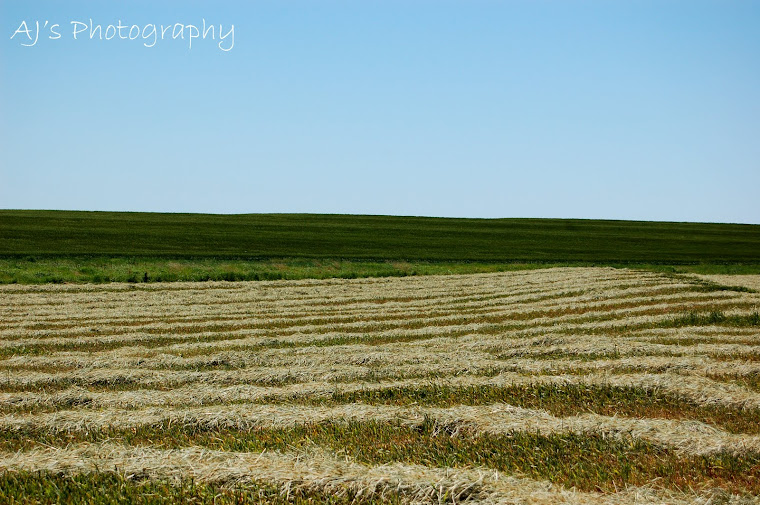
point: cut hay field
(564, 385)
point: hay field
(565, 385)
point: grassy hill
(144, 241)
(52, 233)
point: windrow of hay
(689, 437)
(700, 390)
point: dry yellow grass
(87, 358)
(748, 281)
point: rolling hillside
(64, 233)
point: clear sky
(583, 109)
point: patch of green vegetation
(556, 354)
(373, 237)
(63, 246)
(55, 270)
(104, 488)
(589, 462)
(714, 318)
(689, 341)
(738, 356)
(704, 268)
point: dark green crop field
(372, 237)
(45, 246)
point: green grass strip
(714, 318)
(98, 270)
(110, 488)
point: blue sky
(581, 109)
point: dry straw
(220, 354)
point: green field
(65, 246)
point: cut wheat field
(563, 385)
